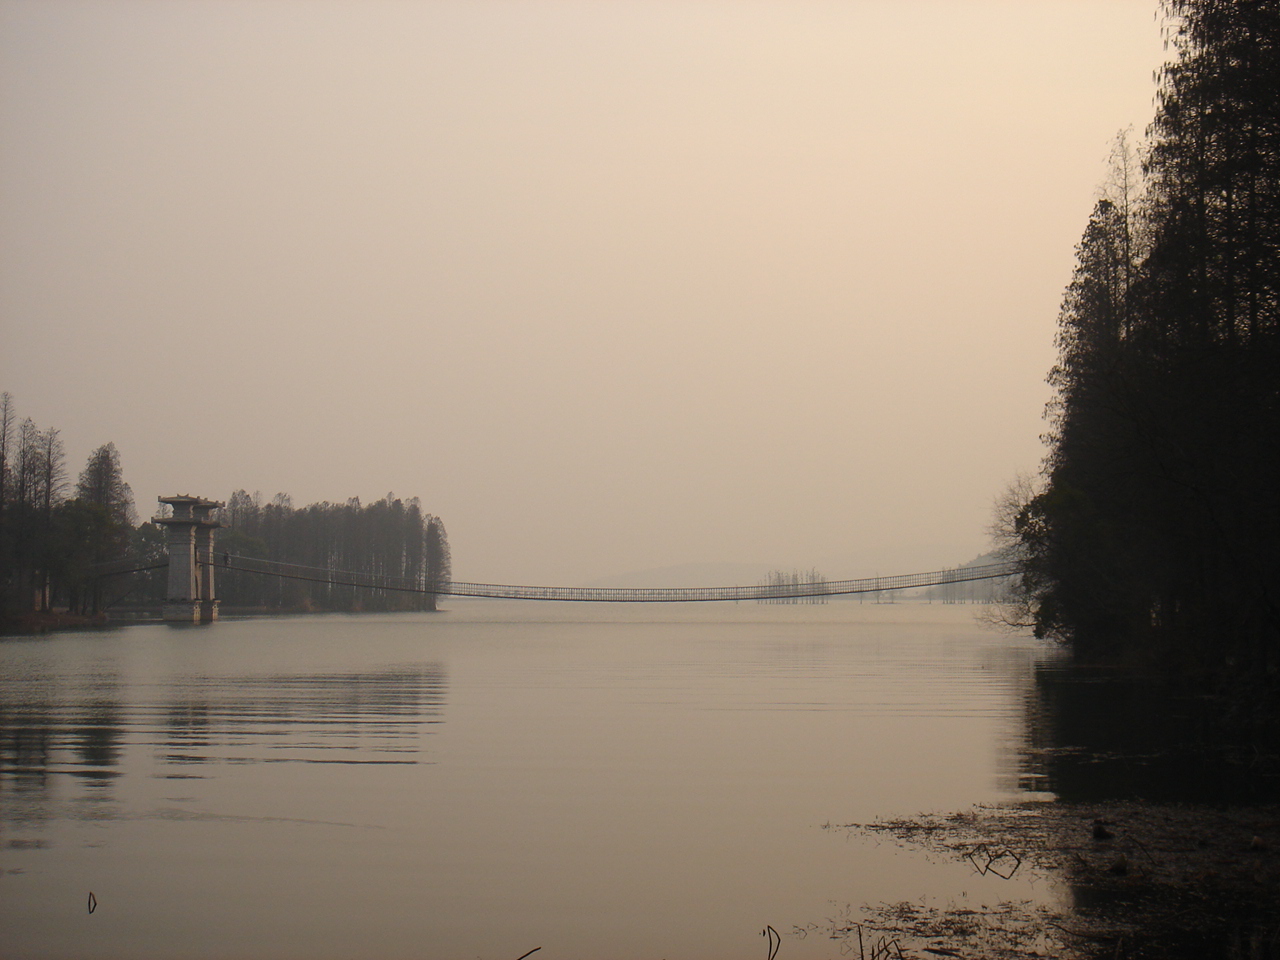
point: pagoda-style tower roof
(190, 510)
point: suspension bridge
(192, 561)
(501, 591)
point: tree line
(795, 582)
(1153, 531)
(54, 533)
(390, 537)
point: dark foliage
(1155, 534)
(390, 537)
(49, 543)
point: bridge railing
(500, 591)
(115, 568)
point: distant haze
(609, 285)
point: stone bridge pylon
(191, 597)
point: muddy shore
(1144, 881)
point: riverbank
(1140, 881)
(37, 622)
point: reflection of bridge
(454, 588)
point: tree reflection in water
(51, 730)
(1094, 735)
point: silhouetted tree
(48, 544)
(438, 567)
(53, 478)
(1155, 530)
(102, 487)
(24, 515)
(102, 484)
(8, 418)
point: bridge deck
(502, 591)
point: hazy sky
(609, 285)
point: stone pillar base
(208, 611)
(182, 611)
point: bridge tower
(191, 597)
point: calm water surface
(598, 781)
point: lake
(600, 781)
